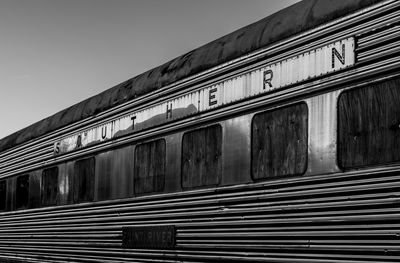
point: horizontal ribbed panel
(333, 218)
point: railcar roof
(292, 20)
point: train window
(114, 178)
(83, 180)
(369, 125)
(34, 189)
(201, 157)
(49, 191)
(22, 191)
(3, 195)
(149, 167)
(279, 142)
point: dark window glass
(201, 157)
(114, 174)
(279, 142)
(11, 188)
(49, 186)
(34, 189)
(369, 125)
(22, 191)
(3, 195)
(150, 167)
(83, 180)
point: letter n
(340, 57)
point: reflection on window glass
(3, 195)
(49, 186)
(84, 180)
(22, 191)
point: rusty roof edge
(290, 21)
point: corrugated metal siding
(335, 218)
(302, 16)
(381, 41)
(350, 217)
(372, 35)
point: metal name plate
(162, 237)
(266, 79)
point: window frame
(306, 128)
(5, 194)
(135, 161)
(56, 201)
(18, 193)
(220, 163)
(340, 160)
(76, 198)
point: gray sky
(55, 53)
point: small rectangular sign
(148, 237)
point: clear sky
(55, 53)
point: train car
(279, 142)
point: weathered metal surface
(236, 150)
(322, 133)
(346, 217)
(370, 43)
(288, 22)
(308, 65)
(155, 237)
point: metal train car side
(277, 143)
